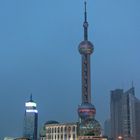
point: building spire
(31, 98)
(85, 25)
(85, 11)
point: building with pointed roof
(30, 120)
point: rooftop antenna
(31, 98)
(85, 11)
(85, 25)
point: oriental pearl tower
(88, 125)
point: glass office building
(30, 120)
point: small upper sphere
(86, 47)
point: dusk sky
(39, 54)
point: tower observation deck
(88, 125)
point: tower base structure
(89, 128)
(88, 125)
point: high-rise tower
(123, 114)
(86, 111)
(30, 120)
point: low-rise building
(61, 131)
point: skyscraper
(137, 118)
(30, 120)
(124, 114)
(116, 113)
(128, 112)
(88, 125)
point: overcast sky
(39, 55)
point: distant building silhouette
(137, 118)
(124, 108)
(30, 120)
(116, 113)
(107, 128)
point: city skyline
(38, 55)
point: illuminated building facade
(30, 120)
(92, 138)
(10, 138)
(88, 125)
(61, 131)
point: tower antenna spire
(31, 97)
(85, 25)
(85, 11)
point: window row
(61, 137)
(61, 129)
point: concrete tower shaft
(86, 81)
(86, 49)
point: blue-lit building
(30, 120)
